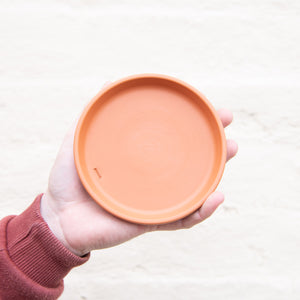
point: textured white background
(243, 55)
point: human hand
(82, 225)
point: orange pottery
(150, 148)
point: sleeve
(33, 262)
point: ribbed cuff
(35, 250)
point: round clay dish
(150, 149)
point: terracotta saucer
(150, 149)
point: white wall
(243, 55)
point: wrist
(52, 217)
(34, 255)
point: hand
(82, 225)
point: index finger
(225, 116)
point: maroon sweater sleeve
(33, 262)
